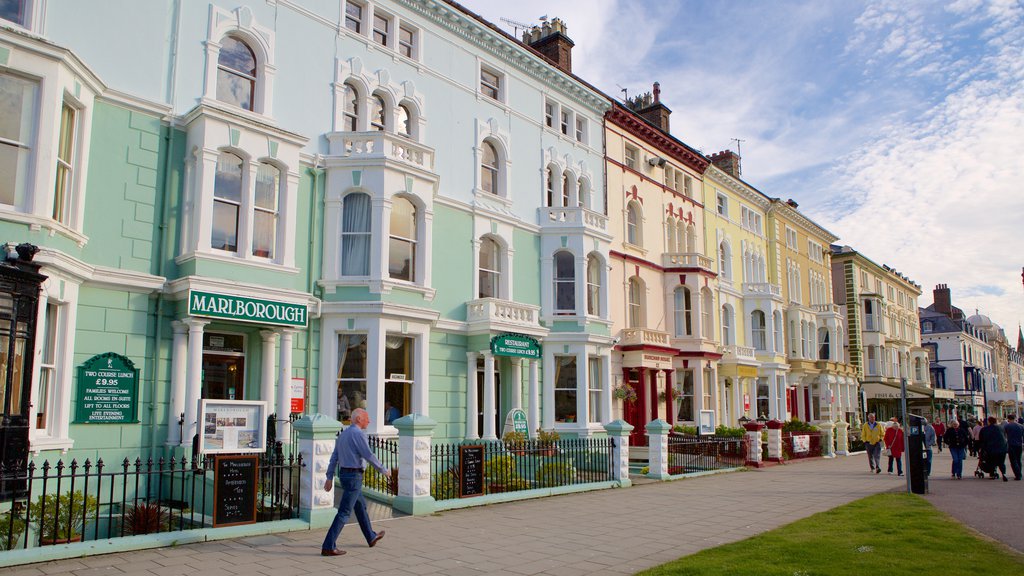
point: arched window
(636, 303)
(687, 239)
(683, 312)
(264, 225)
(583, 194)
(402, 248)
(378, 113)
(725, 260)
(404, 121)
(593, 286)
(490, 268)
(670, 235)
(565, 283)
(824, 346)
(706, 307)
(549, 185)
(355, 235)
(779, 347)
(489, 168)
(726, 325)
(803, 340)
(757, 330)
(633, 224)
(350, 101)
(566, 189)
(236, 73)
(227, 202)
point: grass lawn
(886, 534)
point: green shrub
(796, 425)
(555, 474)
(727, 432)
(689, 430)
(444, 486)
(60, 518)
(500, 467)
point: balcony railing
(378, 145)
(497, 311)
(573, 217)
(759, 288)
(643, 336)
(685, 259)
(826, 308)
(734, 352)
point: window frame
(252, 78)
(595, 388)
(566, 386)
(495, 90)
(227, 201)
(563, 282)
(354, 23)
(409, 49)
(64, 184)
(495, 273)
(722, 205)
(631, 157)
(273, 213)
(685, 378)
(339, 380)
(382, 37)
(634, 224)
(350, 235)
(412, 242)
(759, 330)
(635, 313)
(594, 267)
(684, 315)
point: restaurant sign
(517, 345)
(245, 309)
(108, 390)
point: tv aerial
(516, 25)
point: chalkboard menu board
(471, 471)
(234, 490)
(108, 390)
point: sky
(897, 126)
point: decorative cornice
(787, 211)
(640, 128)
(738, 186)
(474, 29)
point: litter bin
(916, 454)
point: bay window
(565, 388)
(402, 242)
(351, 378)
(355, 235)
(227, 201)
(18, 98)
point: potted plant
(515, 442)
(547, 442)
(59, 518)
(147, 518)
(625, 392)
(501, 475)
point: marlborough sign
(245, 309)
(518, 345)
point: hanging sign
(245, 309)
(298, 395)
(108, 390)
(516, 345)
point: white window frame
(631, 157)
(581, 129)
(60, 290)
(259, 39)
(34, 11)
(361, 22)
(722, 205)
(682, 300)
(412, 46)
(389, 28)
(484, 87)
(791, 239)
(550, 113)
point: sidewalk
(607, 532)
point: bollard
(842, 438)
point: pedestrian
(894, 444)
(1014, 443)
(929, 441)
(957, 438)
(940, 431)
(993, 447)
(975, 441)
(350, 450)
(872, 432)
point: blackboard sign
(108, 390)
(234, 490)
(471, 471)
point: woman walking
(957, 438)
(894, 444)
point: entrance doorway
(633, 412)
(223, 366)
(498, 404)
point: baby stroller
(985, 467)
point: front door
(223, 377)
(633, 412)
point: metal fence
(525, 465)
(75, 502)
(797, 445)
(688, 454)
(386, 450)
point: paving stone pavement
(617, 531)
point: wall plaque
(108, 390)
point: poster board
(706, 424)
(801, 444)
(471, 470)
(234, 490)
(232, 426)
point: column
(547, 418)
(421, 379)
(316, 443)
(284, 386)
(582, 387)
(773, 397)
(618, 432)
(516, 373)
(489, 404)
(375, 346)
(179, 354)
(267, 375)
(194, 382)
(670, 414)
(471, 400)
(534, 398)
(414, 431)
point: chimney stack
(649, 107)
(551, 41)
(943, 302)
(729, 162)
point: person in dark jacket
(957, 439)
(993, 448)
(1014, 443)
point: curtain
(355, 235)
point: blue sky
(897, 125)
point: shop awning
(885, 391)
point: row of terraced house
(332, 204)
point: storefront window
(763, 406)
(398, 371)
(565, 388)
(684, 396)
(351, 375)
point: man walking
(993, 448)
(871, 433)
(350, 450)
(940, 431)
(929, 441)
(1014, 443)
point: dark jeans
(928, 462)
(874, 451)
(1014, 455)
(958, 455)
(938, 442)
(351, 483)
(899, 464)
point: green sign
(108, 390)
(245, 309)
(519, 422)
(517, 345)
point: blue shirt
(350, 449)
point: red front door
(633, 412)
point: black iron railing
(386, 450)
(92, 501)
(527, 465)
(689, 454)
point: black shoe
(878, 470)
(1005, 479)
(334, 552)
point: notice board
(234, 489)
(108, 390)
(471, 470)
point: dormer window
(236, 73)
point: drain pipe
(316, 171)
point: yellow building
(821, 384)
(661, 281)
